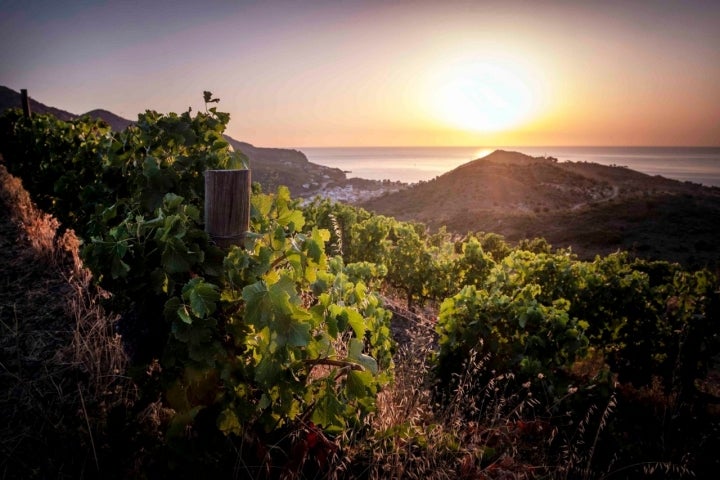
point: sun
(483, 97)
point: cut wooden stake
(227, 206)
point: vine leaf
(202, 297)
(228, 422)
(238, 161)
(184, 314)
(118, 268)
(207, 96)
(175, 258)
(355, 354)
(295, 329)
(257, 303)
(329, 412)
(359, 384)
(356, 321)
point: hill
(116, 122)
(271, 167)
(594, 209)
(11, 99)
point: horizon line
(495, 147)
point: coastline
(414, 164)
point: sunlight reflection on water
(412, 164)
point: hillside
(271, 167)
(594, 209)
(11, 99)
(116, 122)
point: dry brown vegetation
(61, 364)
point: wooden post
(25, 103)
(227, 206)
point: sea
(413, 164)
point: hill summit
(502, 181)
(592, 208)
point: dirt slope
(54, 388)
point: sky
(350, 73)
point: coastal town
(353, 190)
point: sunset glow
(321, 73)
(484, 97)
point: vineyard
(282, 358)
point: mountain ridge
(271, 167)
(9, 98)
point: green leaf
(356, 321)
(280, 296)
(193, 213)
(359, 384)
(267, 370)
(228, 422)
(329, 412)
(297, 332)
(170, 308)
(355, 354)
(330, 320)
(238, 161)
(207, 96)
(171, 201)
(173, 226)
(176, 258)
(118, 268)
(293, 219)
(321, 347)
(258, 306)
(316, 244)
(150, 167)
(262, 205)
(184, 315)
(264, 402)
(202, 297)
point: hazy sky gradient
(341, 73)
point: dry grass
(492, 429)
(96, 348)
(61, 364)
(38, 229)
(479, 431)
